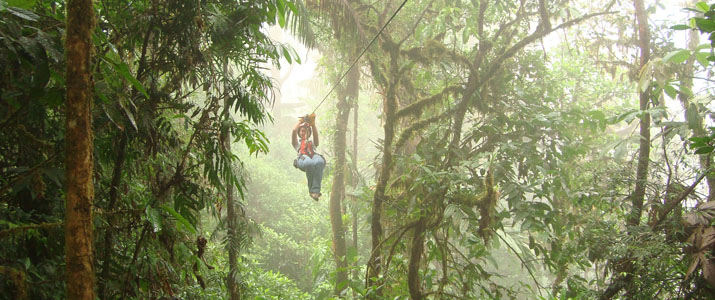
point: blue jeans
(313, 168)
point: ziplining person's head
(304, 131)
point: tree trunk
(233, 291)
(79, 229)
(356, 180)
(695, 121)
(338, 190)
(644, 148)
(413, 269)
(625, 266)
(390, 109)
(111, 219)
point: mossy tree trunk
(79, 230)
(337, 193)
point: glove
(311, 119)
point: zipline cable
(360, 56)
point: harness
(306, 148)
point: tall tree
(638, 195)
(79, 169)
(346, 97)
(232, 246)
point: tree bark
(695, 121)
(338, 190)
(625, 266)
(111, 219)
(79, 168)
(644, 147)
(413, 269)
(355, 178)
(390, 110)
(233, 291)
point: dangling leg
(318, 163)
(305, 165)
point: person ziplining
(308, 160)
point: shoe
(315, 196)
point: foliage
(159, 80)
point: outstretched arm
(316, 140)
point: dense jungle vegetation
(477, 149)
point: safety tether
(359, 56)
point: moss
(18, 279)
(487, 203)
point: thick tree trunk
(413, 269)
(338, 190)
(79, 230)
(231, 284)
(390, 109)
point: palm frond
(341, 14)
(299, 24)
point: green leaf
(702, 6)
(23, 13)
(292, 7)
(123, 70)
(692, 116)
(129, 114)
(677, 57)
(286, 54)
(702, 58)
(700, 139)
(670, 91)
(179, 218)
(26, 4)
(680, 27)
(705, 24)
(280, 5)
(154, 217)
(705, 150)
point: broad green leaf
(700, 139)
(677, 57)
(702, 58)
(670, 91)
(702, 6)
(705, 24)
(705, 150)
(26, 4)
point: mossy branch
(417, 107)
